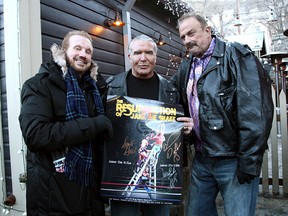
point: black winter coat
(42, 121)
(236, 108)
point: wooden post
(283, 117)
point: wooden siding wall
(3, 106)
(59, 17)
(150, 19)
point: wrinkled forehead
(142, 45)
(190, 23)
(80, 40)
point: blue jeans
(212, 175)
(119, 208)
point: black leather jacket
(117, 85)
(236, 108)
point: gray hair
(143, 38)
(198, 17)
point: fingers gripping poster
(143, 160)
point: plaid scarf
(78, 160)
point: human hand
(187, 124)
(103, 125)
(244, 177)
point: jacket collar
(119, 82)
(219, 48)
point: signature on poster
(128, 147)
(171, 176)
(172, 147)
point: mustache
(190, 45)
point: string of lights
(177, 7)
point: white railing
(275, 164)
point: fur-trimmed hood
(59, 58)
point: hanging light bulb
(117, 22)
(161, 41)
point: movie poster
(143, 161)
